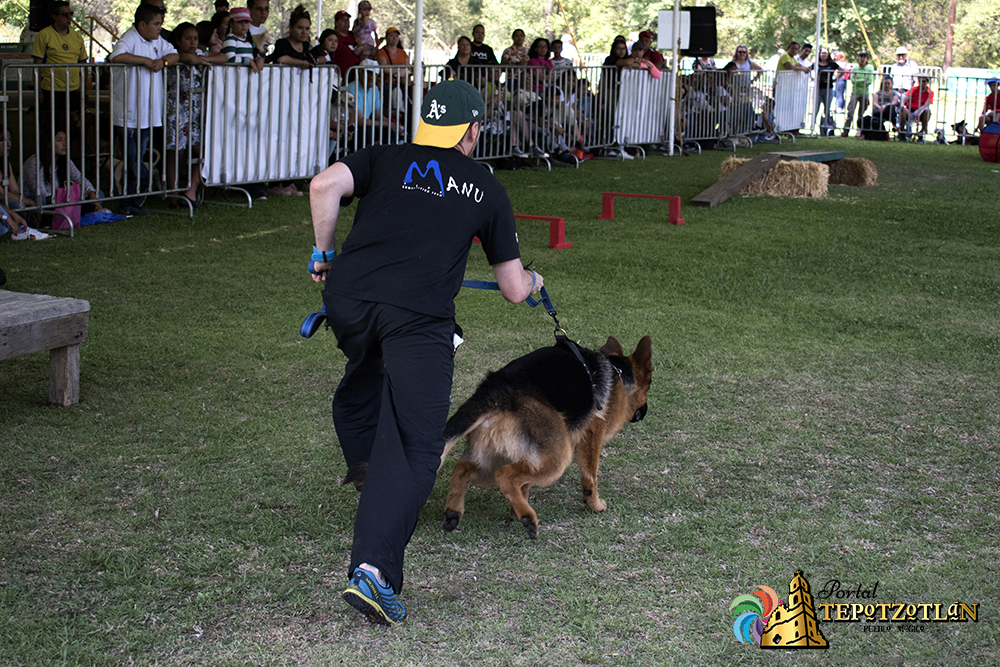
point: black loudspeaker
(38, 15)
(703, 40)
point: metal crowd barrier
(116, 138)
(266, 127)
(728, 109)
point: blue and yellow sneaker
(378, 603)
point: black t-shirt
(827, 73)
(284, 48)
(419, 209)
(482, 55)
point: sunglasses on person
(66, 14)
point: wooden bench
(36, 322)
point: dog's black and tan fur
(528, 420)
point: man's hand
(319, 271)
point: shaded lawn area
(824, 399)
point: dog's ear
(643, 355)
(612, 347)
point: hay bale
(789, 178)
(857, 171)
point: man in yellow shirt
(59, 44)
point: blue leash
(314, 321)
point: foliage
(766, 25)
(977, 35)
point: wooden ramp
(757, 168)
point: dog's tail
(460, 424)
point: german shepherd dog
(526, 421)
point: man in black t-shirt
(389, 298)
(481, 53)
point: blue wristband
(320, 256)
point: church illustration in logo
(793, 624)
(429, 181)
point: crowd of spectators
(539, 102)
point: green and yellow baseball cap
(448, 110)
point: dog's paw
(597, 505)
(530, 527)
(450, 521)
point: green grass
(824, 399)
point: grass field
(824, 399)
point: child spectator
(237, 46)
(52, 169)
(138, 96)
(184, 108)
(365, 32)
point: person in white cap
(389, 298)
(903, 71)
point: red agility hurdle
(557, 230)
(608, 205)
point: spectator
(703, 63)
(399, 79)
(294, 49)
(791, 90)
(164, 33)
(238, 47)
(392, 53)
(59, 44)
(991, 105)
(564, 117)
(862, 78)
(51, 169)
(220, 24)
(14, 198)
(740, 107)
(221, 6)
(840, 85)
(184, 109)
(345, 58)
(558, 62)
(138, 112)
(516, 53)
(803, 57)
(456, 68)
(916, 104)
(481, 54)
(12, 220)
(370, 123)
(829, 70)
(652, 55)
(903, 71)
(365, 32)
(326, 46)
(742, 60)
(259, 11)
(885, 103)
(621, 58)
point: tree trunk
(951, 35)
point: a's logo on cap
(436, 110)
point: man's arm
(325, 193)
(516, 282)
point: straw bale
(856, 171)
(789, 178)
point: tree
(977, 35)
